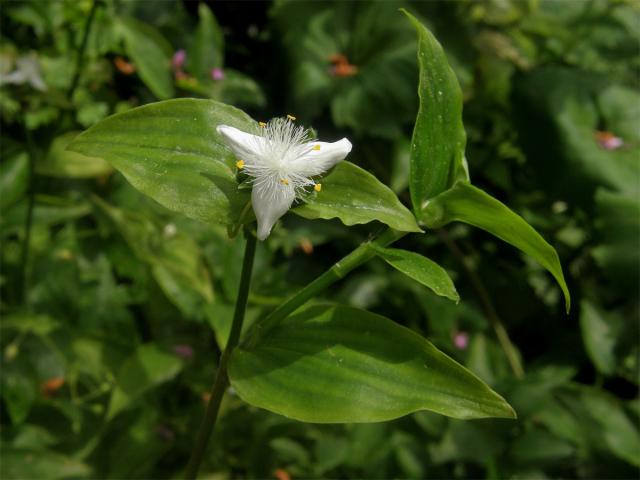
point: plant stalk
(222, 381)
(81, 50)
(339, 270)
(487, 305)
(23, 279)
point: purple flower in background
(183, 351)
(609, 141)
(217, 73)
(177, 62)
(461, 340)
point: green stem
(339, 270)
(222, 382)
(23, 279)
(83, 47)
(487, 305)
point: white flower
(281, 163)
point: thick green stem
(221, 383)
(356, 258)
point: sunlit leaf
(340, 364)
(437, 146)
(355, 196)
(171, 152)
(421, 269)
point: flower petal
(269, 204)
(321, 157)
(244, 145)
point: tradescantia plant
(212, 162)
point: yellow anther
(240, 164)
(317, 187)
(284, 181)
(316, 147)
(262, 124)
(291, 117)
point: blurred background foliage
(113, 318)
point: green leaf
(150, 58)
(539, 447)
(599, 334)
(618, 222)
(208, 43)
(468, 204)
(340, 364)
(171, 152)
(60, 162)
(175, 259)
(615, 428)
(355, 196)
(27, 463)
(437, 146)
(146, 368)
(47, 211)
(14, 175)
(421, 269)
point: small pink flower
(183, 351)
(217, 74)
(461, 340)
(177, 62)
(609, 141)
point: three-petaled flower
(282, 163)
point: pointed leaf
(437, 146)
(145, 47)
(171, 152)
(206, 50)
(340, 364)
(421, 269)
(355, 196)
(468, 204)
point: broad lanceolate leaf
(171, 152)
(150, 58)
(421, 269)
(437, 146)
(468, 204)
(340, 364)
(355, 196)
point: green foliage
(152, 60)
(339, 364)
(112, 323)
(435, 164)
(372, 200)
(468, 204)
(421, 269)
